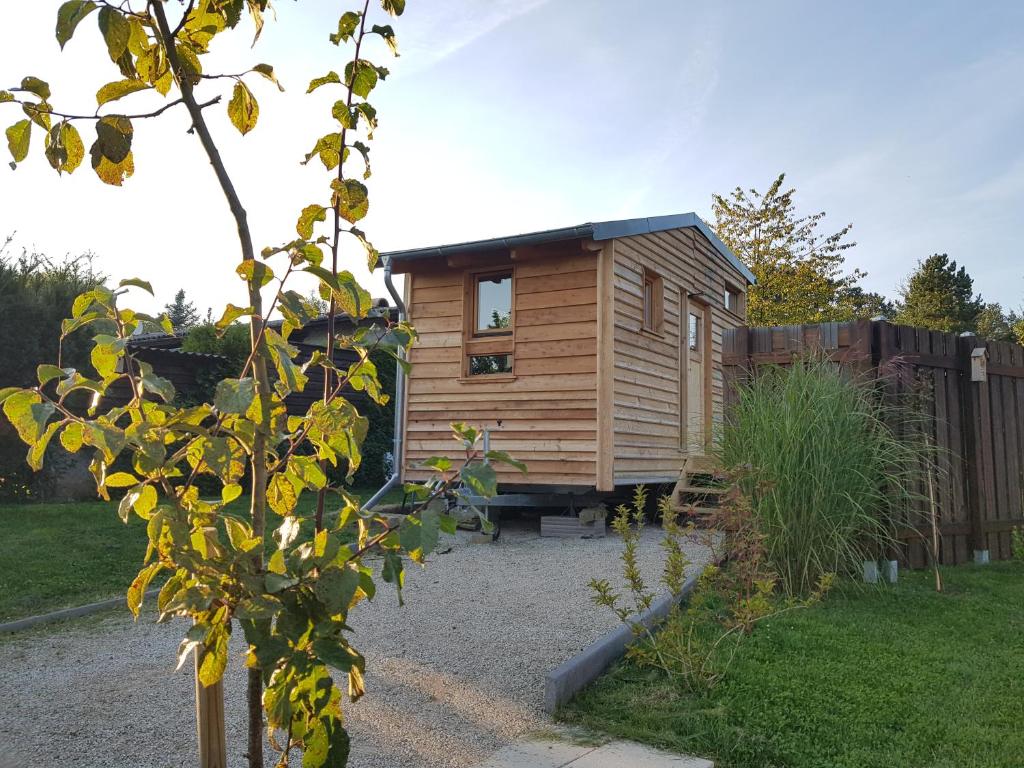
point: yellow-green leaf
(137, 282)
(28, 414)
(268, 72)
(118, 89)
(111, 152)
(316, 82)
(37, 451)
(281, 495)
(138, 588)
(116, 31)
(309, 215)
(351, 198)
(361, 76)
(121, 480)
(71, 437)
(231, 313)
(255, 272)
(230, 492)
(34, 85)
(68, 17)
(18, 137)
(64, 148)
(243, 109)
(146, 501)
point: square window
(493, 304)
(654, 292)
(733, 300)
(694, 331)
(482, 365)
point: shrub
(697, 642)
(823, 471)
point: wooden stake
(936, 538)
(213, 751)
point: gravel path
(451, 677)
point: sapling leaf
(68, 17)
(19, 137)
(268, 72)
(234, 395)
(243, 110)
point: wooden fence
(976, 426)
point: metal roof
(600, 230)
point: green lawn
(60, 555)
(897, 677)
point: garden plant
(811, 448)
(696, 643)
(292, 606)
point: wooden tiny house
(592, 353)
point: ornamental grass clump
(811, 448)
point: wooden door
(694, 353)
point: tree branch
(32, 106)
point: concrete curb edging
(68, 613)
(574, 674)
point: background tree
(854, 303)
(939, 296)
(993, 324)
(799, 271)
(36, 294)
(181, 312)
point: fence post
(978, 456)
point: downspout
(395, 478)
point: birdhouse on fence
(979, 364)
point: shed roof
(599, 230)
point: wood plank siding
(594, 397)
(649, 375)
(545, 412)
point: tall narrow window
(694, 332)
(494, 304)
(488, 344)
(653, 300)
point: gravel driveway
(451, 677)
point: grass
(901, 676)
(59, 555)
(821, 466)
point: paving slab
(549, 753)
(620, 754)
(537, 754)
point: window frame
(652, 302)
(694, 334)
(481, 343)
(477, 277)
(732, 290)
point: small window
(694, 332)
(482, 365)
(494, 304)
(733, 300)
(654, 291)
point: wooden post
(978, 426)
(210, 722)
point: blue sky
(506, 116)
